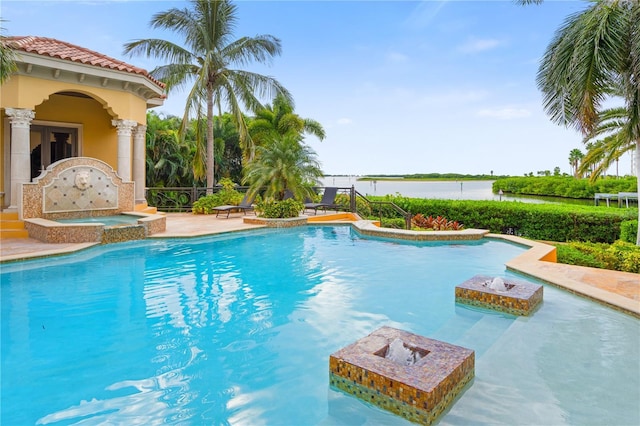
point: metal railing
(177, 199)
(181, 199)
(383, 208)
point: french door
(50, 144)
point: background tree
(168, 155)
(574, 160)
(7, 57)
(229, 161)
(279, 119)
(593, 58)
(283, 163)
(608, 141)
(206, 58)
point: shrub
(362, 207)
(225, 197)
(619, 256)
(552, 222)
(279, 209)
(571, 255)
(438, 223)
(629, 231)
(395, 223)
(564, 186)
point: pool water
(113, 220)
(238, 329)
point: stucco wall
(98, 137)
(27, 92)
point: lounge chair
(328, 201)
(245, 205)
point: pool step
(145, 208)
(469, 328)
(485, 333)
(11, 226)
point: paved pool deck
(620, 290)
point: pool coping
(539, 261)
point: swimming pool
(237, 329)
(112, 220)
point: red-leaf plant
(438, 223)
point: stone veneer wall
(367, 227)
(41, 230)
(277, 223)
(522, 298)
(119, 234)
(420, 392)
(59, 194)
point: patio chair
(328, 201)
(245, 205)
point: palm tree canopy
(594, 55)
(212, 62)
(284, 163)
(8, 58)
(279, 119)
(607, 142)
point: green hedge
(552, 222)
(224, 197)
(619, 256)
(279, 209)
(564, 186)
(629, 231)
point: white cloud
(397, 57)
(344, 121)
(425, 13)
(504, 113)
(479, 45)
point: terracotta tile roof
(61, 49)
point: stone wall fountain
(78, 188)
(509, 296)
(409, 375)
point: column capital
(124, 126)
(140, 131)
(20, 117)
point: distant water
(450, 190)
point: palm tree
(283, 163)
(7, 58)
(206, 59)
(574, 159)
(609, 140)
(594, 57)
(280, 119)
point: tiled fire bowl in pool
(514, 297)
(419, 385)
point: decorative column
(20, 120)
(124, 147)
(139, 163)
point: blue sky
(399, 86)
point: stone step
(11, 226)
(8, 215)
(484, 333)
(145, 208)
(13, 233)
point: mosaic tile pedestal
(520, 298)
(419, 392)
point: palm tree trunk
(210, 141)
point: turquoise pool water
(113, 220)
(238, 329)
